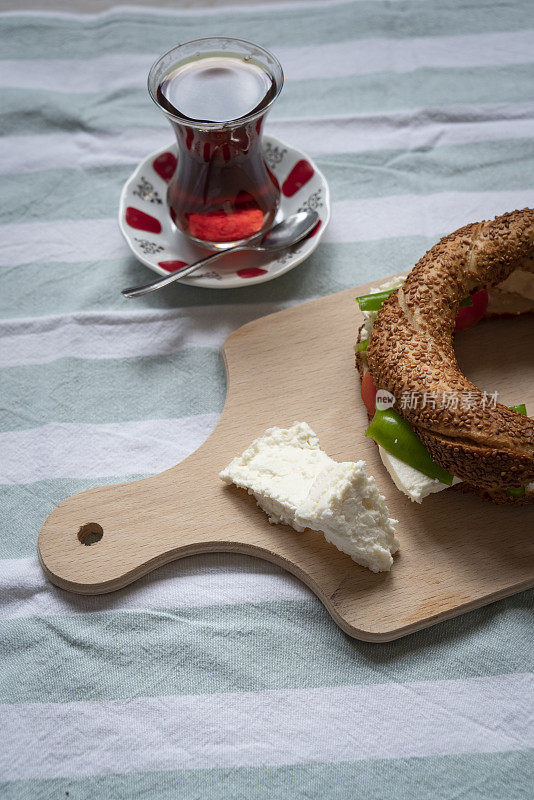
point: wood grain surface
(457, 551)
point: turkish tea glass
(222, 193)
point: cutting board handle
(104, 538)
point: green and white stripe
(132, 333)
(114, 72)
(85, 450)
(492, 775)
(412, 130)
(35, 110)
(222, 676)
(270, 728)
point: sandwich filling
(513, 296)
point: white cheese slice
(297, 483)
(409, 480)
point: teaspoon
(288, 232)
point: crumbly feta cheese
(297, 483)
(278, 469)
(346, 506)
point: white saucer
(146, 224)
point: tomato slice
(468, 316)
(369, 391)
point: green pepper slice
(373, 302)
(519, 492)
(521, 409)
(395, 435)
(361, 347)
(467, 301)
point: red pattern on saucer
(251, 272)
(172, 266)
(141, 221)
(299, 176)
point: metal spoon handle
(139, 291)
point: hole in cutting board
(90, 533)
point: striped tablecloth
(222, 677)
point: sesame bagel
(411, 350)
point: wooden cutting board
(457, 551)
